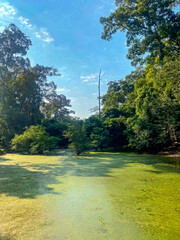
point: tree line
(140, 112)
(27, 98)
(145, 106)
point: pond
(123, 196)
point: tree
(152, 28)
(4, 135)
(56, 129)
(24, 96)
(13, 47)
(157, 108)
(56, 107)
(24, 90)
(97, 132)
(116, 94)
(77, 137)
(146, 103)
(34, 140)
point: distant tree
(34, 140)
(116, 94)
(24, 97)
(56, 107)
(97, 132)
(99, 138)
(4, 135)
(77, 137)
(13, 47)
(56, 129)
(116, 132)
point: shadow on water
(18, 181)
(100, 165)
(4, 160)
(5, 238)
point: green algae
(124, 196)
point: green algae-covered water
(124, 196)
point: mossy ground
(124, 196)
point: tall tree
(152, 28)
(14, 45)
(56, 107)
(25, 90)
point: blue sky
(67, 35)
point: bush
(77, 137)
(34, 140)
(56, 129)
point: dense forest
(140, 112)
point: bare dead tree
(99, 93)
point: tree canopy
(26, 94)
(152, 28)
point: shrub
(77, 138)
(34, 140)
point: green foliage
(56, 129)
(14, 45)
(116, 136)
(4, 134)
(150, 111)
(117, 94)
(34, 140)
(26, 97)
(77, 137)
(147, 103)
(57, 107)
(97, 132)
(157, 105)
(152, 28)
(141, 112)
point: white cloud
(43, 31)
(44, 35)
(37, 35)
(25, 21)
(64, 90)
(90, 78)
(48, 39)
(6, 10)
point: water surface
(124, 196)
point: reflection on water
(175, 161)
(99, 199)
(85, 211)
